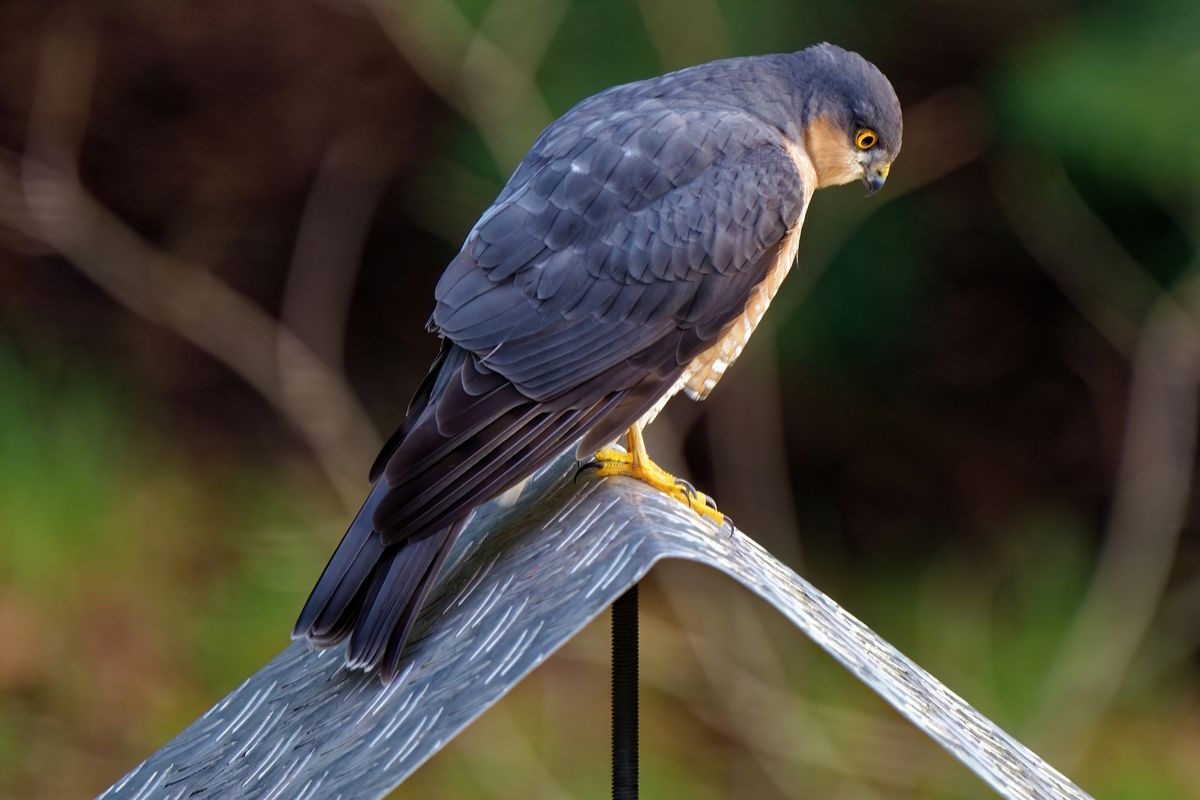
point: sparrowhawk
(629, 257)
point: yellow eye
(866, 139)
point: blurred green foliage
(1116, 92)
(134, 583)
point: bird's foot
(611, 461)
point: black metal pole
(625, 696)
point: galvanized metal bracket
(525, 577)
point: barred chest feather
(700, 376)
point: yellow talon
(636, 463)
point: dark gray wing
(621, 255)
(617, 253)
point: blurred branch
(208, 313)
(488, 75)
(1173, 641)
(1153, 483)
(492, 86)
(1076, 249)
(328, 250)
(1151, 500)
(47, 200)
(525, 28)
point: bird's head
(850, 116)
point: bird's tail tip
(371, 595)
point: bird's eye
(866, 139)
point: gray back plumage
(627, 240)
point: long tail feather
(372, 593)
(322, 620)
(469, 435)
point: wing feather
(624, 244)
(605, 295)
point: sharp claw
(683, 490)
(732, 528)
(583, 466)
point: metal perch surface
(524, 578)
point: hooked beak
(874, 179)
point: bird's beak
(874, 179)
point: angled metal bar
(525, 577)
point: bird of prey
(628, 258)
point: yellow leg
(636, 463)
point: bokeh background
(970, 416)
